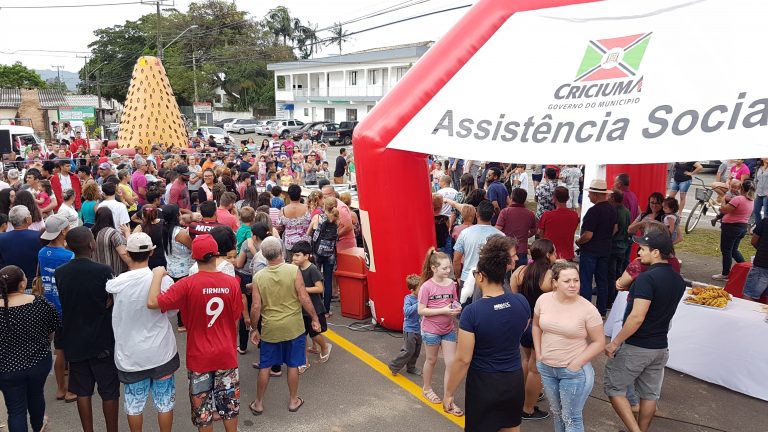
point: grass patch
(706, 242)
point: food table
(725, 347)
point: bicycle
(705, 202)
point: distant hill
(71, 79)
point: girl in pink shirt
(438, 305)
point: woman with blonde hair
(323, 232)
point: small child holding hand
(411, 349)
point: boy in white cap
(145, 347)
(211, 304)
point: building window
(281, 82)
(329, 114)
(400, 72)
(353, 78)
(351, 114)
(306, 112)
(372, 76)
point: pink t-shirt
(742, 211)
(436, 296)
(739, 172)
(564, 328)
(224, 217)
(347, 240)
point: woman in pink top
(567, 335)
(735, 226)
(438, 305)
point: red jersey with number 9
(211, 305)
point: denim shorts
(163, 395)
(435, 339)
(756, 283)
(681, 186)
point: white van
(22, 137)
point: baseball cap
(54, 225)
(204, 247)
(139, 242)
(105, 165)
(655, 240)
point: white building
(344, 87)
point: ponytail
(329, 205)
(10, 278)
(432, 259)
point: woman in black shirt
(26, 325)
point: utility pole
(159, 37)
(87, 74)
(58, 72)
(194, 80)
(99, 112)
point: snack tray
(706, 306)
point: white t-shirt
(224, 266)
(4, 185)
(447, 193)
(70, 214)
(144, 338)
(119, 212)
(66, 182)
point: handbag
(37, 283)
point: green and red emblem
(613, 58)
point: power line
(55, 6)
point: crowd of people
(98, 253)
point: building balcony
(376, 91)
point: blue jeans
(23, 392)
(567, 392)
(593, 266)
(760, 210)
(730, 237)
(326, 265)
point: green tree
(54, 83)
(280, 23)
(338, 37)
(19, 76)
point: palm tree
(306, 39)
(339, 36)
(279, 22)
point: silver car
(284, 127)
(242, 126)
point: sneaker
(414, 371)
(537, 414)
(720, 277)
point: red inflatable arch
(393, 188)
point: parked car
(242, 126)
(222, 122)
(307, 129)
(284, 127)
(329, 133)
(344, 133)
(217, 132)
(263, 127)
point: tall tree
(307, 42)
(280, 23)
(338, 37)
(19, 76)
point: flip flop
(454, 410)
(303, 368)
(275, 374)
(70, 400)
(45, 424)
(301, 402)
(254, 411)
(324, 358)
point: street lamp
(160, 54)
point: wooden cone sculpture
(151, 115)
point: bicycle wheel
(694, 217)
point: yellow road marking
(383, 370)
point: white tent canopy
(618, 81)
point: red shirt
(517, 221)
(224, 217)
(76, 143)
(559, 225)
(211, 305)
(180, 195)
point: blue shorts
(292, 353)
(435, 339)
(163, 395)
(756, 283)
(682, 186)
